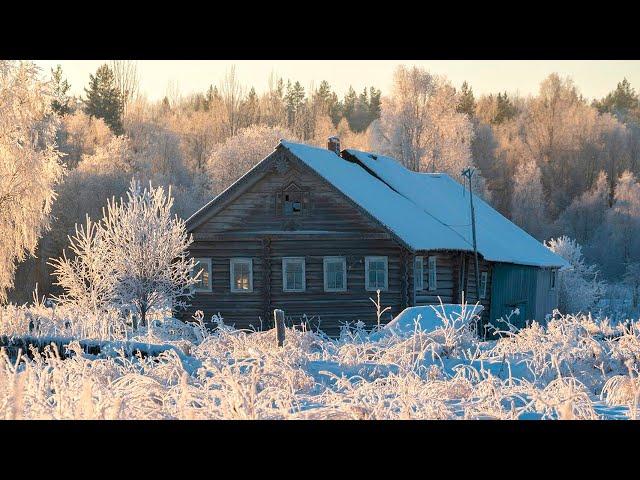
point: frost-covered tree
(618, 240)
(527, 208)
(87, 277)
(30, 164)
(147, 251)
(80, 134)
(587, 212)
(235, 156)
(632, 280)
(579, 285)
(421, 127)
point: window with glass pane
(241, 275)
(204, 281)
(418, 273)
(335, 274)
(293, 274)
(376, 273)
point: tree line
(554, 162)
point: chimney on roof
(333, 144)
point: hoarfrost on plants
(576, 367)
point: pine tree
(467, 102)
(294, 99)
(61, 86)
(505, 110)
(375, 104)
(622, 101)
(349, 105)
(103, 99)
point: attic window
(292, 203)
(291, 200)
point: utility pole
(468, 173)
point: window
(553, 278)
(483, 284)
(293, 274)
(241, 275)
(204, 282)
(376, 273)
(433, 279)
(335, 274)
(292, 203)
(418, 273)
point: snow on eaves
(427, 211)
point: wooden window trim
(285, 261)
(484, 280)
(209, 287)
(418, 285)
(325, 263)
(368, 260)
(433, 270)
(238, 261)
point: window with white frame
(433, 277)
(335, 274)
(483, 284)
(554, 274)
(203, 265)
(418, 273)
(293, 275)
(376, 273)
(241, 275)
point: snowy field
(575, 368)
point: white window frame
(240, 261)
(367, 261)
(418, 278)
(285, 261)
(325, 263)
(484, 279)
(433, 273)
(207, 261)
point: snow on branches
(134, 259)
(579, 285)
(29, 164)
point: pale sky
(594, 78)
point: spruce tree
(505, 110)
(61, 86)
(621, 102)
(374, 104)
(103, 99)
(349, 105)
(467, 102)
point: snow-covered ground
(576, 367)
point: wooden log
(278, 317)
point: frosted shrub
(579, 286)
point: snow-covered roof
(426, 211)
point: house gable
(260, 203)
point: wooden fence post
(278, 317)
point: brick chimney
(333, 144)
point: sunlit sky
(594, 78)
